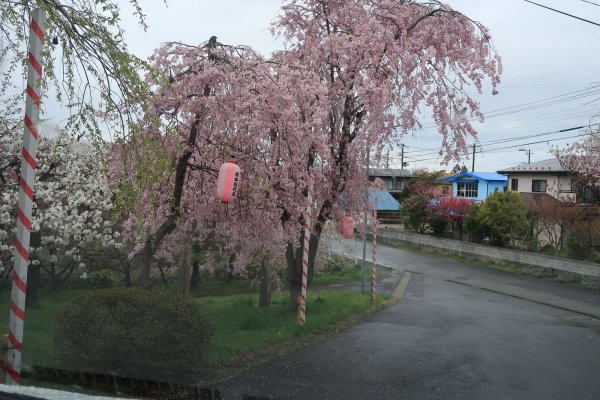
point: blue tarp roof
(384, 201)
(488, 176)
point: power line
(544, 103)
(520, 144)
(509, 126)
(546, 99)
(530, 106)
(494, 150)
(591, 2)
(538, 142)
(551, 101)
(497, 141)
(564, 13)
(561, 98)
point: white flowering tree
(72, 204)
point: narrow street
(460, 332)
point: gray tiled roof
(393, 172)
(549, 166)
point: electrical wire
(564, 13)
(511, 146)
(528, 107)
(591, 2)
(496, 141)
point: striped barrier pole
(307, 232)
(28, 164)
(374, 265)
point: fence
(488, 253)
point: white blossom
(72, 196)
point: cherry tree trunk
(230, 267)
(146, 256)
(183, 288)
(127, 273)
(293, 257)
(145, 263)
(264, 299)
(195, 278)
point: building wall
(485, 188)
(492, 186)
(394, 186)
(557, 185)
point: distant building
(441, 186)
(476, 186)
(387, 207)
(546, 176)
(395, 179)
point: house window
(467, 189)
(589, 194)
(539, 185)
(395, 184)
(514, 185)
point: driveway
(454, 335)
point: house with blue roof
(381, 202)
(386, 206)
(477, 186)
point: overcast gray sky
(545, 54)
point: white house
(546, 176)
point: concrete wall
(488, 253)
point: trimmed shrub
(334, 264)
(438, 225)
(134, 333)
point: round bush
(134, 333)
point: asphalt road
(454, 335)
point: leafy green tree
(86, 62)
(459, 168)
(438, 225)
(414, 212)
(501, 217)
(473, 225)
(422, 178)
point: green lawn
(352, 273)
(244, 333)
(243, 327)
(40, 324)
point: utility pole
(473, 167)
(387, 159)
(402, 157)
(363, 270)
(528, 151)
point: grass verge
(246, 334)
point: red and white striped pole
(28, 164)
(374, 265)
(307, 232)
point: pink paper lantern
(348, 227)
(228, 182)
